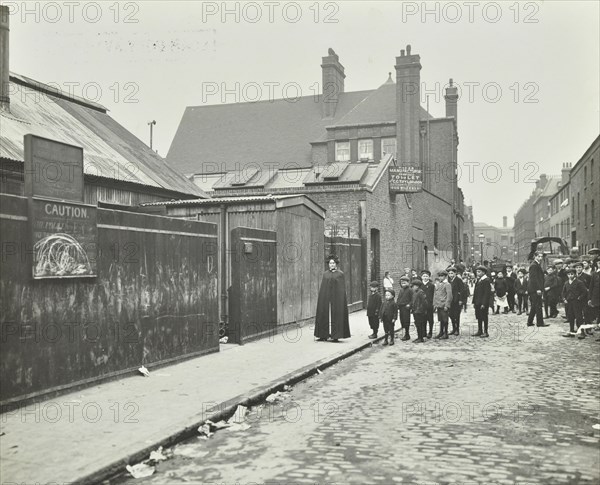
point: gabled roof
(220, 138)
(224, 137)
(378, 107)
(109, 150)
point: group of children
(422, 298)
(577, 286)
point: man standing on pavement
(429, 289)
(535, 289)
(481, 301)
(442, 299)
(511, 277)
(574, 293)
(456, 305)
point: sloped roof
(219, 137)
(109, 150)
(379, 106)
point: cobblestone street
(517, 407)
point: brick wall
(392, 216)
(587, 189)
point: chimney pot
(408, 50)
(401, 52)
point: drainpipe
(224, 267)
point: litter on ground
(144, 371)
(140, 470)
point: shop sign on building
(405, 179)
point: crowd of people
(532, 290)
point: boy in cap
(521, 291)
(429, 289)
(373, 307)
(481, 301)
(442, 299)
(457, 290)
(388, 313)
(574, 294)
(404, 301)
(419, 309)
(552, 290)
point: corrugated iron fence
(154, 300)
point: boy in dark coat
(373, 306)
(521, 291)
(481, 301)
(388, 313)
(429, 289)
(404, 301)
(510, 278)
(419, 309)
(552, 290)
(457, 291)
(574, 294)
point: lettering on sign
(405, 179)
(65, 239)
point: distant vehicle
(553, 248)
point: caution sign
(65, 239)
(405, 179)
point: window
(585, 215)
(593, 213)
(435, 234)
(578, 216)
(388, 145)
(342, 151)
(585, 179)
(365, 149)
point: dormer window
(365, 150)
(388, 145)
(342, 151)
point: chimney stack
(408, 106)
(504, 221)
(4, 65)
(333, 83)
(451, 98)
(565, 173)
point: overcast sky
(528, 71)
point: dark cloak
(332, 293)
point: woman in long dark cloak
(331, 320)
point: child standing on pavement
(404, 301)
(373, 307)
(388, 314)
(419, 309)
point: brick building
(338, 147)
(560, 209)
(541, 205)
(585, 195)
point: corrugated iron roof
(109, 150)
(223, 200)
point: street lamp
(151, 124)
(481, 238)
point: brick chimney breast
(333, 83)
(408, 106)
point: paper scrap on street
(319, 371)
(218, 425)
(223, 340)
(276, 396)
(140, 470)
(158, 455)
(144, 371)
(596, 426)
(205, 430)
(239, 416)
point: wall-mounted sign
(53, 169)
(405, 179)
(64, 231)
(65, 238)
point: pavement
(92, 434)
